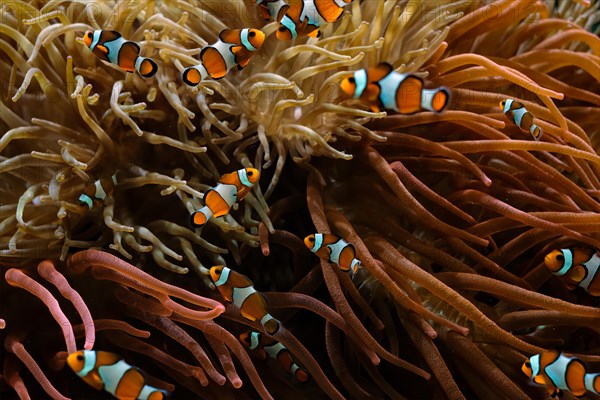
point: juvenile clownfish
(334, 249)
(238, 289)
(111, 47)
(95, 193)
(559, 372)
(381, 86)
(108, 371)
(235, 47)
(577, 267)
(304, 17)
(272, 9)
(264, 345)
(218, 200)
(517, 113)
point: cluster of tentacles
(451, 214)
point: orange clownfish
(218, 200)
(264, 345)
(110, 46)
(559, 372)
(108, 371)
(234, 48)
(304, 17)
(237, 289)
(334, 249)
(577, 267)
(518, 114)
(95, 193)
(381, 86)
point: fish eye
(80, 358)
(527, 364)
(217, 272)
(252, 34)
(89, 34)
(250, 173)
(351, 80)
(311, 239)
(281, 29)
(560, 257)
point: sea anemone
(451, 214)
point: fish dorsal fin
(380, 71)
(230, 36)
(109, 36)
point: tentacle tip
(236, 382)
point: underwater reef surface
(451, 214)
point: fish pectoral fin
(247, 316)
(95, 378)
(102, 49)
(375, 108)
(316, 33)
(371, 92)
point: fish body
(382, 87)
(108, 371)
(265, 345)
(272, 10)
(334, 249)
(110, 46)
(95, 193)
(234, 48)
(218, 200)
(517, 113)
(237, 288)
(576, 267)
(304, 17)
(559, 372)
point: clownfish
(334, 249)
(95, 193)
(381, 86)
(559, 372)
(577, 267)
(238, 289)
(234, 48)
(272, 9)
(110, 46)
(518, 114)
(108, 371)
(264, 345)
(304, 17)
(218, 200)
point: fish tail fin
(435, 100)
(146, 67)
(200, 217)
(536, 131)
(193, 75)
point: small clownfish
(559, 372)
(218, 200)
(304, 17)
(381, 86)
(95, 193)
(235, 47)
(334, 249)
(238, 289)
(517, 113)
(108, 371)
(110, 46)
(272, 9)
(577, 267)
(264, 345)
